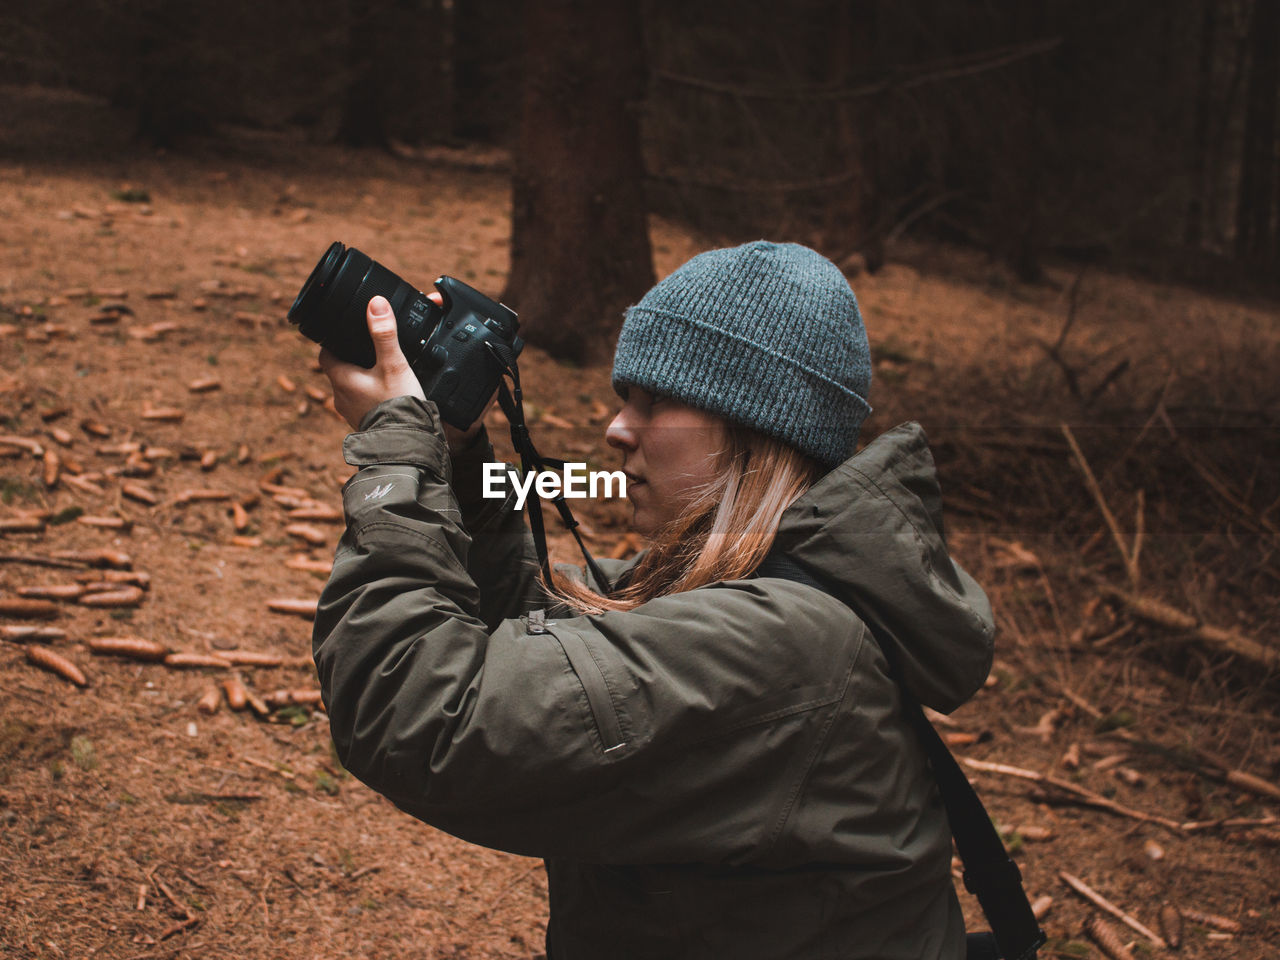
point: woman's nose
(621, 433)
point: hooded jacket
(723, 772)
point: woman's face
(669, 452)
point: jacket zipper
(593, 682)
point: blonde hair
(723, 534)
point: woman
(713, 764)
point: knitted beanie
(766, 334)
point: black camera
(450, 349)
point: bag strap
(989, 872)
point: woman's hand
(356, 390)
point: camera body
(450, 348)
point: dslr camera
(453, 350)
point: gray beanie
(766, 334)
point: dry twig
(1092, 483)
(1086, 891)
(1080, 794)
(1157, 612)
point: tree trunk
(579, 240)
(854, 215)
(1255, 219)
(1017, 186)
(364, 111)
(486, 49)
(168, 92)
(1200, 134)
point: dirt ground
(143, 344)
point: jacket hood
(871, 530)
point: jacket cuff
(401, 430)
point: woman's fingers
(386, 341)
(356, 390)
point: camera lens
(330, 307)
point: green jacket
(721, 773)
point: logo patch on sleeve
(377, 493)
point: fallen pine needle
(317, 514)
(23, 634)
(263, 765)
(193, 660)
(32, 447)
(51, 470)
(136, 577)
(201, 496)
(126, 597)
(1225, 924)
(136, 491)
(1229, 823)
(46, 659)
(298, 608)
(1040, 908)
(284, 698)
(28, 609)
(301, 561)
(85, 485)
(252, 658)
(1254, 784)
(35, 560)
(54, 591)
(105, 523)
(98, 558)
(178, 928)
(1086, 891)
(305, 531)
(209, 701)
(21, 525)
(275, 490)
(256, 703)
(235, 691)
(1171, 925)
(135, 648)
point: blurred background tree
(1140, 133)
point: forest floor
(143, 344)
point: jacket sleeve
(631, 737)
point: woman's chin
(643, 522)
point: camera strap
(512, 402)
(989, 872)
